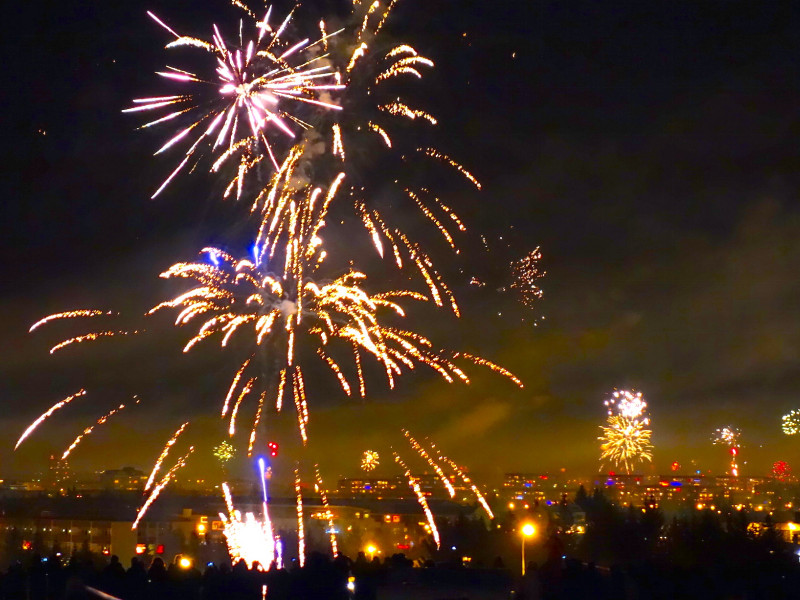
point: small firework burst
(790, 422)
(370, 460)
(628, 404)
(526, 274)
(727, 436)
(224, 452)
(781, 470)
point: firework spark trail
(161, 485)
(465, 478)
(433, 464)
(45, 415)
(89, 429)
(88, 337)
(70, 314)
(625, 442)
(301, 536)
(234, 107)
(412, 482)
(328, 514)
(163, 455)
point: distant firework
(790, 423)
(525, 275)
(370, 460)
(628, 404)
(729, 436)
(224, 452)
(625, 442)
(781, 470)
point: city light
(528, 530)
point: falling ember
(161, 485)
(71, 314)
(163, 455)
(328, 514)
(412, 482)
(49, 412)
(432, 463)
(467, 481)
(525, 275)
(89, 429)
(301, 535)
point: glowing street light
(371, 550)
(528, 530)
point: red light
(734, 451)
(611, 473)
(403, 546)
(160, 549)
(676, 465)
(273, 448)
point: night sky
(650, 149)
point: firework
(249, 539)
(628, 404)
(281, 307)
(432, 463)
(790, 422)
(163, 455)
(370, 460)
(46, 414)
(525, 275)
(625, 442)
(262, 86)
(90, 429)
(460, 472)
(158, 488)
(729, 437)
(301, 535)
(224, 452)
(781, 470)
(328, 514)
(412, 482)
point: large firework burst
(261, 84)
(625, 442)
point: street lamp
(528, 530)
(371, 550)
